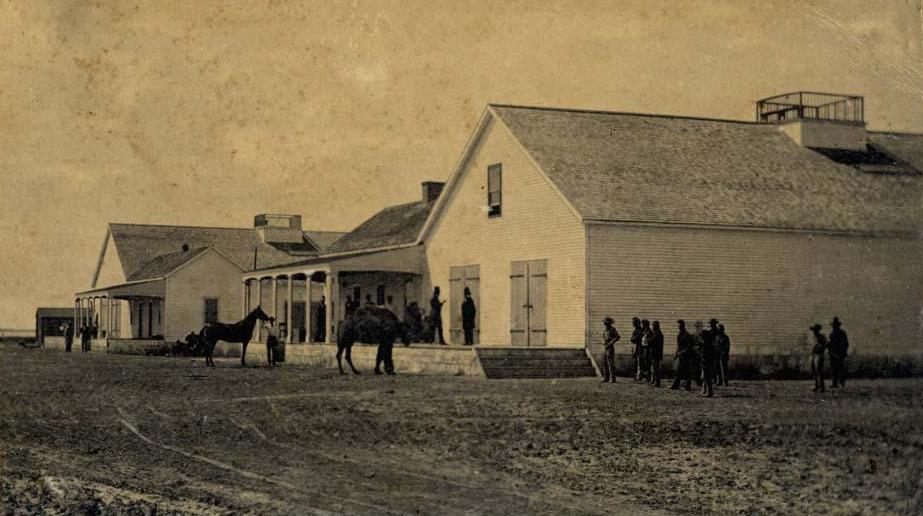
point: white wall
(766, 287)
(535, 224)
(209, 275)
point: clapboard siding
(209, 275)
(535, 224)
(766, 287)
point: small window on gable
(494, 189)
(211, 310)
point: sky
(209, 112)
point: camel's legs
(349, 360)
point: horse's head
(260, 315)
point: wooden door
(528, 289)
(468, 276)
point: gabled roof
(324, 239)
(165, 264)
(392, 226)
(661, 169)
(139, 244)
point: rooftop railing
(811, 105)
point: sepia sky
(208, 112)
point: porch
(132, 310)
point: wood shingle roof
(392, 226)
(661, 169)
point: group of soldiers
(702, 355)
(85, 332)
(836, 347)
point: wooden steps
(535, 362)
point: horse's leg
(349, 359)
(243, 354)
(379, 357)
(340, 348)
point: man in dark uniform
(349, 306)
(68, 337)
(838, 349)
(610, 337)
(706, 351)
(636, 335)
(683, 356)
(656, 353)
(436, 316)
(817, 358)
(646, 335)
(469, 314)
(724, 350)
(84, 338)
(320, 321)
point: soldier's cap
(713, 322)
(608, 320)
(635, 319)
(682, 322)
(816, 327)
(467, 290)
(698, 324)
(836, 322)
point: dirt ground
(110, 434)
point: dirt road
(119, 434)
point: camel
(241, 331)
(370, 324)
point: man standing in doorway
(469, 312)
(436, 316)
(838, 348)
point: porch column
(331, 292)
(243, 299)
(308, 320)
(108, 317)
(259, 302)
(76, 314)
(288, 312)
(275, 300)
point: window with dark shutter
(494, 189)
(381, 295)
(211, 310)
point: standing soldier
(635, 340)
(656, 353)
(435, 315)
(68, 337)
(469, 313)
(838, 349)
(320, 321)
(705, 345)
(817, 358)
(610, 337)
(724, 351)
(683, 356)
(646, 335)
(84, 338)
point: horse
(370, 324)
(241, 331)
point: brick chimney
(279, 228)
(431, 190)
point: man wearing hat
(723, 343)
(469, 311)
(684, 351)
(646, 336)
(705, 344)
(838, 348)
(656, 353)
(610, 337)
(817, 358)
(636, 335)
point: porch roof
(154, 287)
(407, 260)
